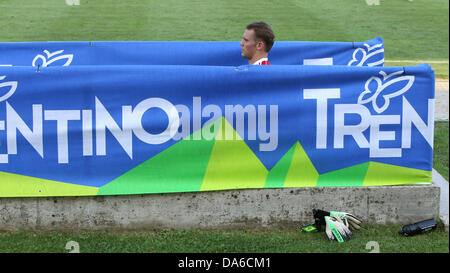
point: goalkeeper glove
(336, 229)
(349, 220)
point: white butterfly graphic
(384, 89)
(47, 60)
(12, 88)
(362, 55)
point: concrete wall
(254, 209)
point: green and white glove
(336, 230)
(349, 220)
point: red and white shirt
(263, 61)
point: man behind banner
(256, 43)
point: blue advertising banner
(104, 130)
(369, 53)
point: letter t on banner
(322, 96)
(3, 157)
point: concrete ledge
(242, 209)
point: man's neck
(257, 57)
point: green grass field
(415, 31)
(203, 241)
(440, 69)
(411, 30)
(440, 155)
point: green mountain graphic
(179, 168)
(218, 163)
(208, 160)
(302, 172)
(232, 164)
(277, 176)
(348, 177)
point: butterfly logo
(49, 60)
(10, 86)
(379, 91)
(362, 55)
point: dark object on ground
(418, 228)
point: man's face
(248, 44)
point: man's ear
(260, 45)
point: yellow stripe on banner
(15, 185)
